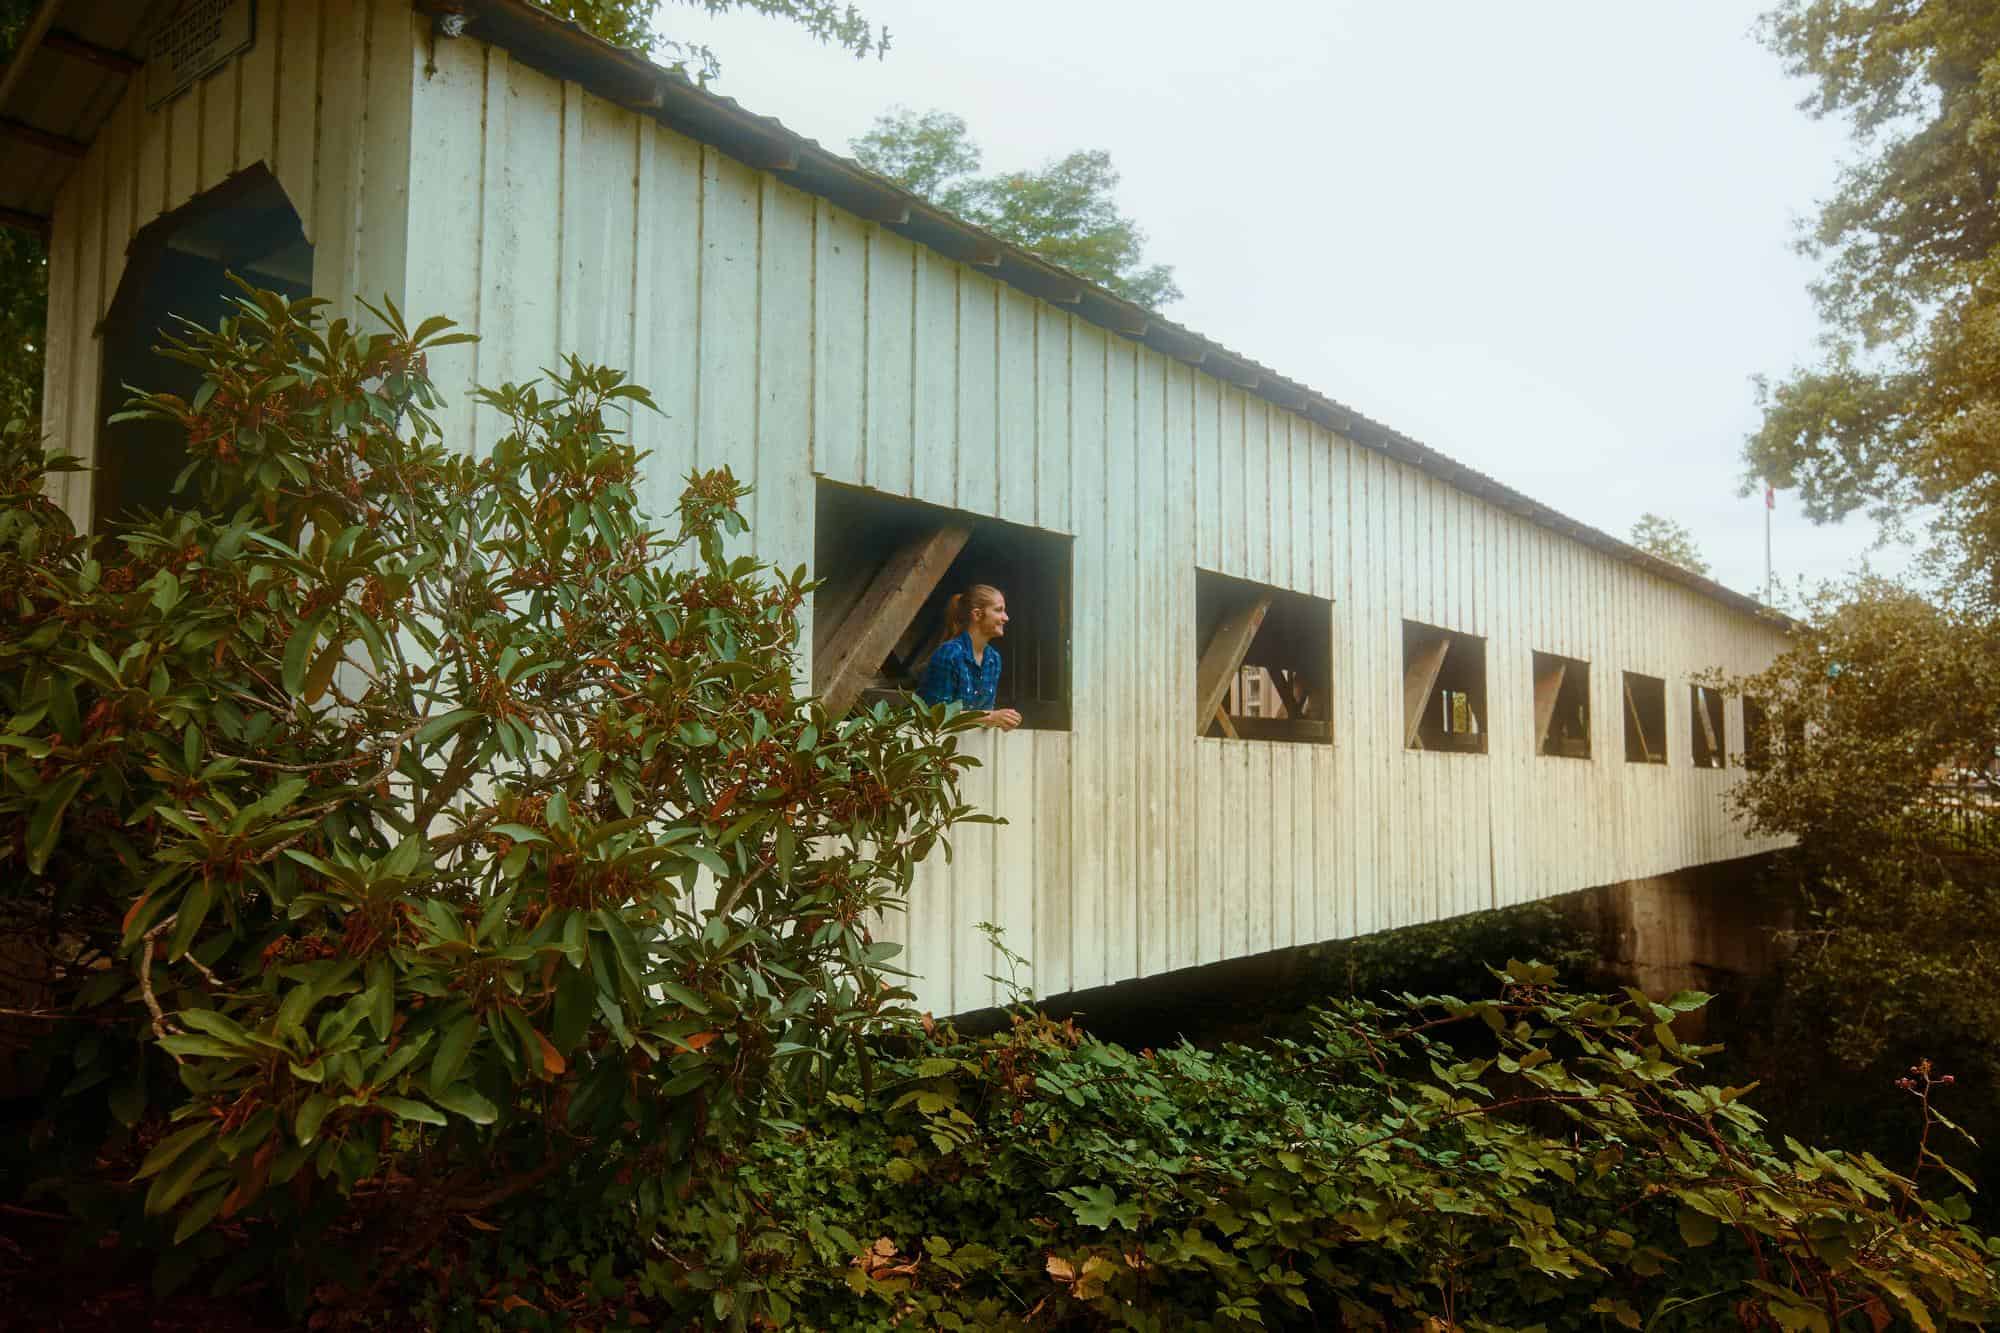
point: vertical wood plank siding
(322, 98)
(791, 340)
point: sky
(1552, 241)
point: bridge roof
(76, 56)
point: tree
(1881, 734)
(406, 827)
(631, 23)
(1902, 407)
(1668, 540)
(1064, 211)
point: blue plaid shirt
(952, 676)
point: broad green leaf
(452, 1050)
(463, 1099)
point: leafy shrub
(1576, 1175)
(397, 830)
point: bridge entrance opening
(179, 269)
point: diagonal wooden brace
(1638, 723)
(1223, 658)
(1419, 679)
(1548, 687)
(891, 601)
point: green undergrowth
(1541, 1159)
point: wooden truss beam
(33, 223)
(1290, 691)
(118, 62)
(1223, 658)
(1420, 677)
(891, 601)
(834, 600)
(1638, 723)
(1548, 686)
(58, 144)
(1707, 726)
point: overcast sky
(1552, 241)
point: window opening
(1756, 734)
(1705, 727)
(1444, 689)
(179, 269)
(1264, 664)
(1645, 719)
(1562, 706)
(887, 569)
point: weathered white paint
(791, 340)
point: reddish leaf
(551, 1057)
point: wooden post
(1548, 686)
(1419, 678)
(1222, 720)
(884, 611)
(1223, 657)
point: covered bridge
(1288, 675)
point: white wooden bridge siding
(786, 338)
(320, 98)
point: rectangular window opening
(888, 567)
(1645, 719)
(1444, 689)
(1562, 706)
(1756, 734)
(1705, 726)
(1264, 662)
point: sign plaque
(197, 37)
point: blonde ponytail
(958, 611)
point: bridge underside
(1714, 928)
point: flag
(1770, 496)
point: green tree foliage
(403, 828)
(1064, 211)
(1884, 728)
(633, 23)
(1668, 540)
(1903, 406)
(1543, 1159)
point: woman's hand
(1004, 718)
